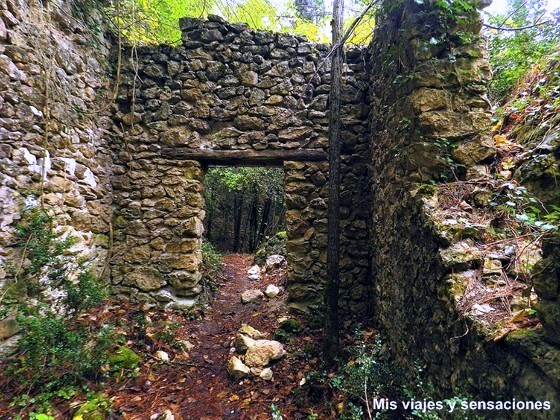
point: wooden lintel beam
(248, 157)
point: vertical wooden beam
(332, 327)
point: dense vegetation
(513, 51)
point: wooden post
(332, 328)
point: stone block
(181, 279)
(145, 278)
(8, 328)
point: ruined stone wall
(53, 135)
(430, 122)
(538, 171)
(229, 88)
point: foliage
(95, 408)
(525, 214)
(243, 206)
(211, 259)
(370, 374)
(155, 21)
(275, 412)
(56, 350)
(275, 245)
(514, 53)
(211, 265)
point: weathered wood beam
(244, 157)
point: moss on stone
(124, 358)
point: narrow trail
(197, 385)
(210, 393)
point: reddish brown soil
(196, 385)
(199, 386)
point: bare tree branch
(519, 28)
(338, 45)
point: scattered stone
(241, 343)
(8, 328)
(478, 172)
(162, 355)
(166, 415)
(254, 273)
(274, 261)
(271, 291)
(237, 369)
(481, 309)
(249, 296)
(261, 352)
(266, 374)
(460, 254)
(185, 345)
(251, 332)
(491, 267)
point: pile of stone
(252, 295)
(253, 354)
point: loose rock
(274, 261)
(251, 295)
(272, 291)
(254, 273)
(251, 332)
(237, 369)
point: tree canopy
(155, 21)
(518, 40)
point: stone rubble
(254, 273)
(272, 291)
(251, 295)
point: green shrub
(211, 266)
(211, 259)
(57, 348)
(514, 53)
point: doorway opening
(244, 206)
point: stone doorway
(160, 230)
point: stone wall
(538, 171)
(232, 89)
(53, 135)
(430, 122)
(414, 114)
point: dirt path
(197, 385)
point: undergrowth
(211, 266)
(375, 386)
(58, 352)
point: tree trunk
(264, 222)
(237, 213)
(332, 327)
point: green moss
(458, 285)
(124, 358)
(291, 325)
(95, 409)
(524, 334)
